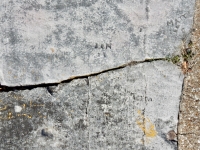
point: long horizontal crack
(4, 88)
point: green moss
(190, 44)
(174, 59)
(168, 58)
(186, 57)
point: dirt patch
(189, 116)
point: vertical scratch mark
(87, 105)
(147, 9)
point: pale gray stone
(130, 108)
(49, 41)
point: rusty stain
(24, 106)
(9, 115)
(28, 116)
(146, 126)
(4, 108)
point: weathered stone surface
(46, 121)
(131, 108)
(123, 109)
(49, 41)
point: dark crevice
(87, 81)
(4, 88)
(87, 110)
(185, 133)
(88, 84)
(181, 98)
(143, 137)
(145, 101)
(147, 9)
(49, 90)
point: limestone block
(131, 108)
(49, 41)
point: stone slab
(130, 108)
(49, 41)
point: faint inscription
(175, 24)
(103, 46)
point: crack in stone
(145, 101)
(144, 124)
(185, 133)
(87, 105)
(50, 91)
(147, 9)
(4, 88)
(181, 98)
